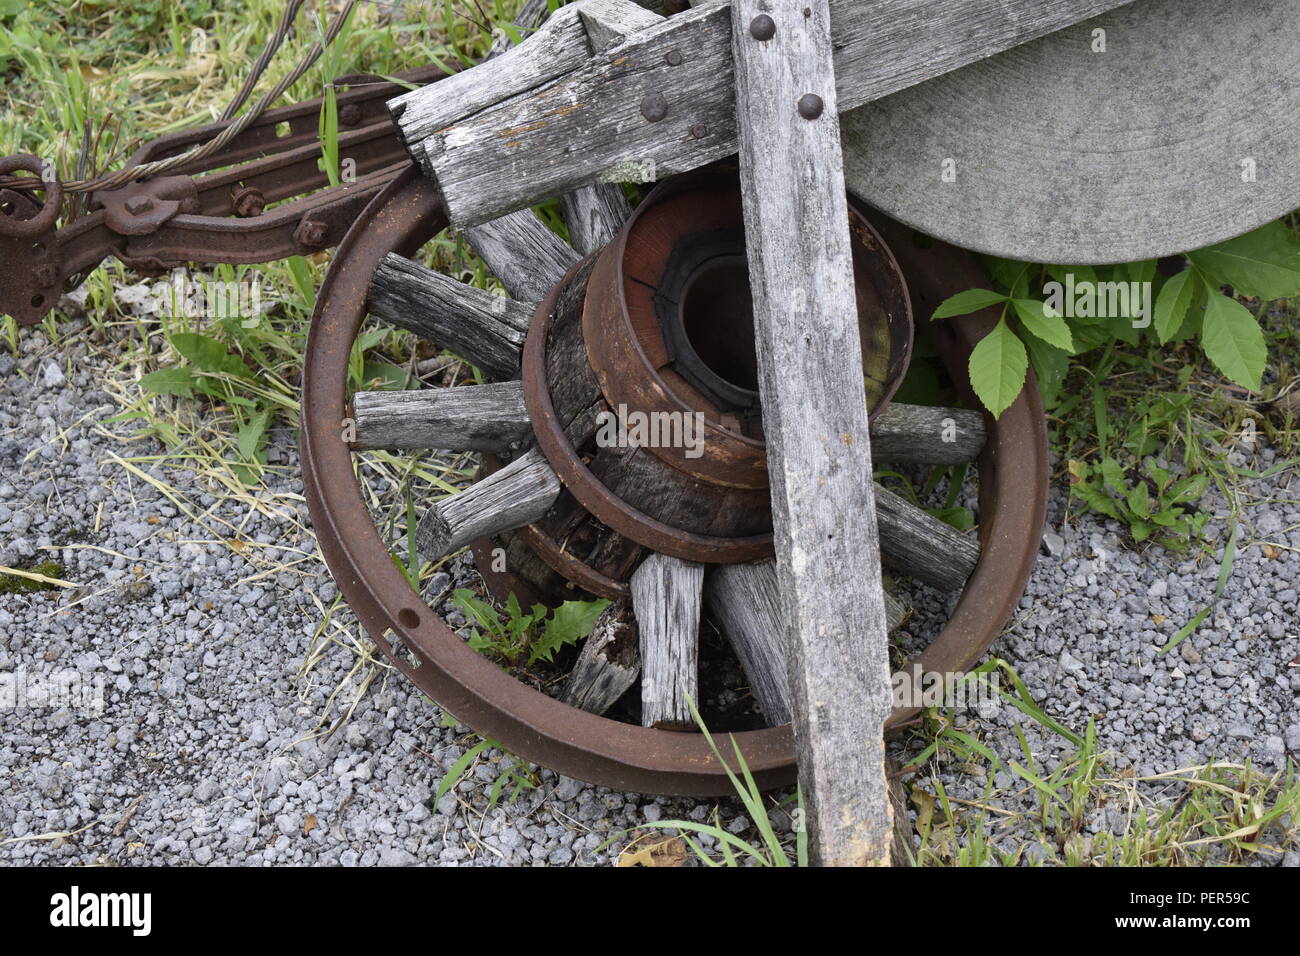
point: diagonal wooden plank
(815, 420)
(561, 120)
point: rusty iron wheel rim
(1013, 484)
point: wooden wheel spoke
(927, 435)
(743, 601)
(484, 329)
(526, 257)
(920, 545)
(490, 418)
(594, 214)
(518, 494)
(666, 595)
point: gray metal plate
(1067, 155)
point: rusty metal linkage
(264, 196)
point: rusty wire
(132, 173)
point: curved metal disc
(1067, 155)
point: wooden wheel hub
(640, 379)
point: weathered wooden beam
(594, 214)
(484, 329)
(666, 594)
(815, 420)
(662, 101)
(927, 435)
(610, 22)
(743, 601)
(608, 663)
(489, 417)
(525, 256)
(920, 545)
(519, 493)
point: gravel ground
(213, 743)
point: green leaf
(1113, 475)
(170, 381)
(208, 354)
(1172, 304)
(963, 519)
(1050, 328)
(1080, 273)
(1233, 341)
(1188, 489)
(571, 622)
(997, 368)
(1263, 263)
(481, 612)
(963, 303)
(383, 375)
(1050, 365)
(250, 435)
(1139, 500)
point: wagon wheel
(571, 512)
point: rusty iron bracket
(262, 197)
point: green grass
(29, 580)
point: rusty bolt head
(699, 130)
(673, 58)
(810, 106)
(654, 107)
(310, 233)
(762, 27)
(46, 275)
(350, 114)
(248, 202)
(138, 205)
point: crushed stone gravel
(216, 744)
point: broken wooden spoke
(608, 663)
(920, 545)
(518, 494)
(666, 595)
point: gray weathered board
(815, 422)
(666, 596)
(549, 115)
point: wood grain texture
(743, 600)
(484, 329)
(927, 435)
(525, 256)
(610, 22)
(511, 143)
(518, 494)
(608, 664)
(815, 420)
(920, 545)
(666, 595)
(489, 417)
(594, 214)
